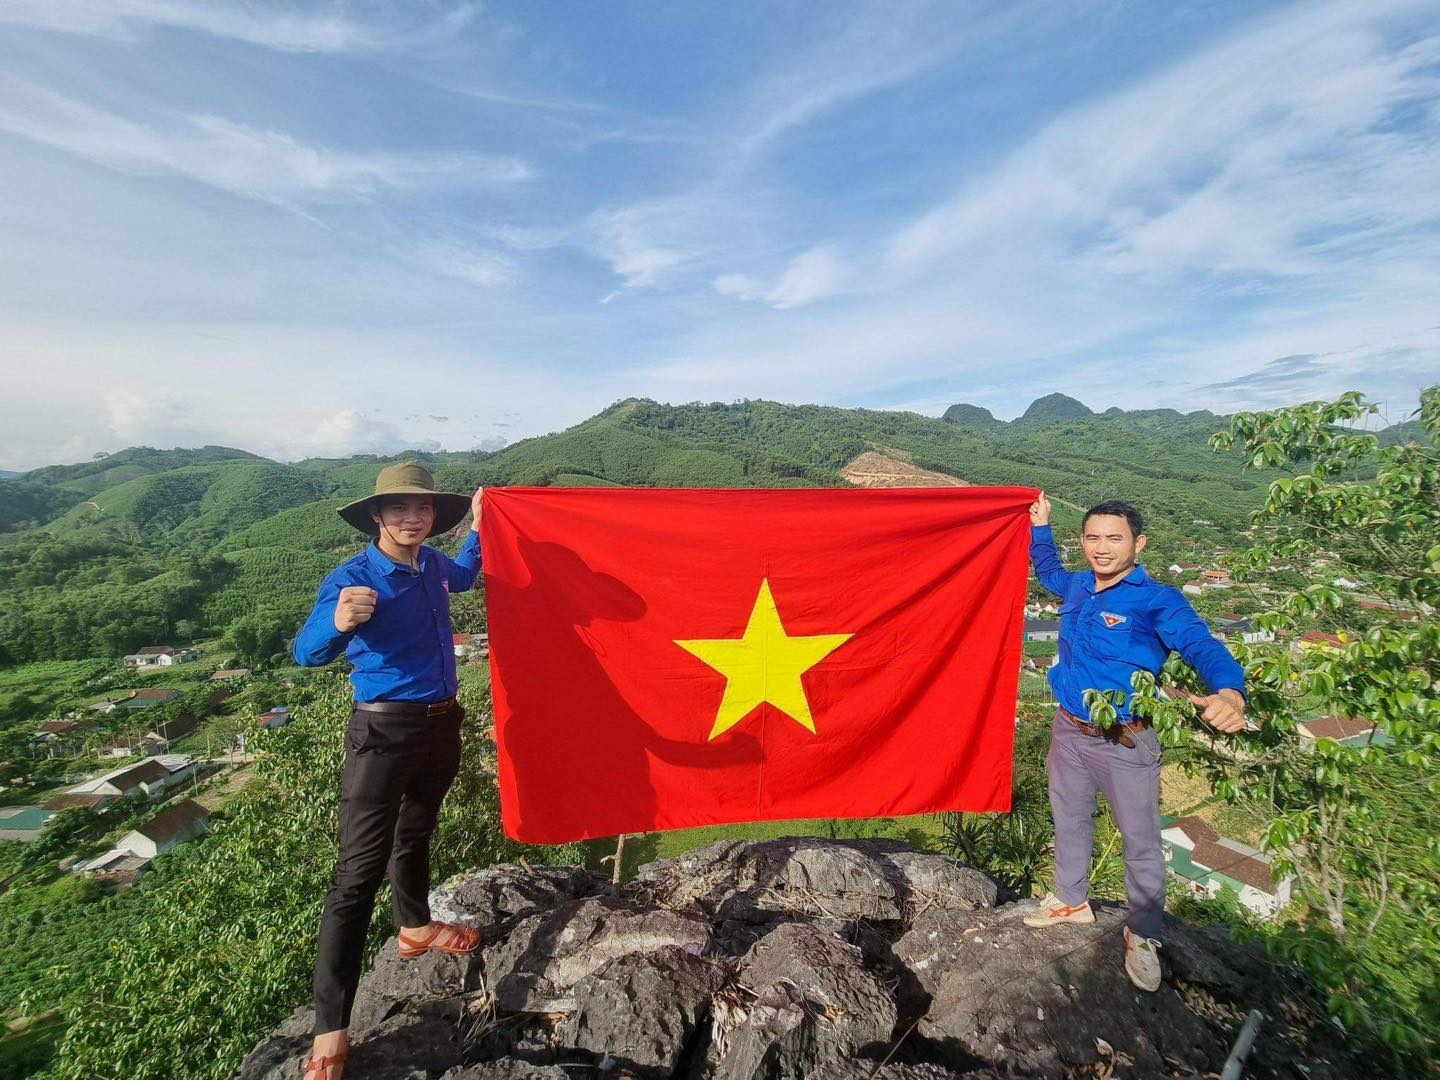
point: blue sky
(360, 226)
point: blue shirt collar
(383, 564)
(1137, 576)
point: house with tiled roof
(24, 823)
(160, 656)
(177, 823)
(150, 777)
(1041, 630)
(1207, 863)
(1346, 730)
(1320, 639)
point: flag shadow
(572, 737)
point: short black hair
(1116, 508)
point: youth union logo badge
(1111, 619)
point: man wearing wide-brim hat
(388, 610)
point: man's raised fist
(355, 606)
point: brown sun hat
(407, 478)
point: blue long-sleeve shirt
(406, 651)
(1106, 636)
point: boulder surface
(802, 957)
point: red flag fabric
(664, 658)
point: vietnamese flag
(663, 658)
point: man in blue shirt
(1114, 621)
(388, 610)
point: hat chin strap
(391, 536)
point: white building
(150, 777)
(173, 825)
(161, 656)
(1208, 862)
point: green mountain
(36, 496)
(149, 546)
(973, 415)
(1054, 408)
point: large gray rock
(642, 1010)
(413, 1046)
(760, 880)
(804, 958)
(999, 990)
(496, 894)
(393, 982)
(536, 967)
(814, 1005)
(510, 1070)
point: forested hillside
(147, 545)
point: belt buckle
(435, 708)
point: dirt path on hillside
(873, 469)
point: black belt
(1117, 733)
(408, 708)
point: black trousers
(397, 771)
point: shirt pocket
(1113, 642)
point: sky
(368, 225)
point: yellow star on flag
(763, 665)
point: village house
(62, 735)
(184, 820)
(1193, 588)
(150, 778)
(277, 717)
(461, 642)
(24, 823)
(135, 699)
(1041, 630)
(161, 656)
(1228, 623)
(1179, 568)
(1346, 730)
(1207, 862)
(226, 674)
(1319, 639)
(1215, 579)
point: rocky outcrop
(801, 958)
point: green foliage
(150, 547)
(214, 946)
(1354, 824)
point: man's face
(1110, 547)
(408, 519)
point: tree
(257, 637)
(1354, 824)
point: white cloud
(1227, 163)
(270, 25)
(267, 165)
(351, 431)
(813, 275)
(625, 238)
(485, 269)
(139, 416)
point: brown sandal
(446, 937)
(321, 1066)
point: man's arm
(1181, 629)
(319, 641)
(462, 569)
(1048, 567)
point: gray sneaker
(1052, 912)
(1142, 961)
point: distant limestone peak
(1053, 408)
(973, 415)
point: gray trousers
(1081, 765)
